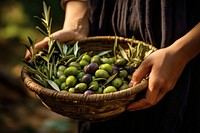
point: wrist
(77, 16)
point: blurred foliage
(25, 114)
(17, 22)
(17, 18)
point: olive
(59, 73)
(80, 75)
(81, 87)
(63, 86)
(94, 85)
(106, 67)
(89, 92)
(71, 90)
(123, 73)
(115, 69)
(87, 78)
(86, 57)
(75, 64)
(57, 81)
(91, 68)
(105, 60)
(96, 59)
(109, 89)
(71, 70)
(83, 63)
(61, 68)
(117, 82)
(129, 69)
(124, 86)
(62, 78)
(99, 91)
(112, 60)
(120, 62)
(100, 73)
(71, 81)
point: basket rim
(40, 90)
(111, 38)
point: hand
(61, 35)
(164, 67)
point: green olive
(100, 73)
(61, 68)
(71, 81)
(96, 59)
(62, 78)
(106, 67)
(86, 58)
(57, 81)
(109, 89)
(63, 86)
(71, 70)
(117, 82)
(121, 62)
(71, 90)
(59, 73)
(105, 60)
(123, 74)
(75, 64)
(81, 87)
(99, 90)
(80, 75)
(94, 85)
(83, 63)
(124, 86)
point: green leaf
(59, 47)
(76, 48)
(53, 85)
(114, 48)
(110, 79)
(28, 63)
(45, 58)
(123, 53)
(66, 58)
(104, 52)
(31, 41)
(65, 49)
(41, 31)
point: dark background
(20, 110)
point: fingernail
(132, 83)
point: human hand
(164, 67)
(61, 35)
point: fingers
(38, 46)
(140, 73)
(62, 36)
(153, 95)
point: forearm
(77, 16)
(188, 46)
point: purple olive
(89, 92)
(115, 69)
(87, 78)
(91, 68)
(129, 69)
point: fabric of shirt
(158, 22)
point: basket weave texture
(95, 107)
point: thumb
(140, 73)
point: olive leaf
(53, 85)
(123, 53)
(110, 79)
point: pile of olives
(94, 75)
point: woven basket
(95, 107)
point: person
(171, 102)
